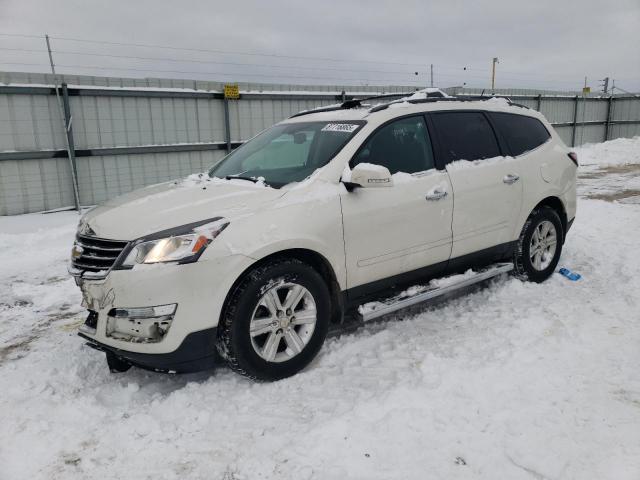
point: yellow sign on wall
(231, 91)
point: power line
(461, 72)
(628, 92)
(242, 64)
(22, 50)
(213, 62)
(192, 72)
(226, 52)
(40, 37)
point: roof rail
(461, 98)
(348, 104)
(357, 102)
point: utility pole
(613, 86)
(432, 74)
(67, 126)
(493, 73)
(585, 91)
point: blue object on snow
(569, 274)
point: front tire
(539, 246)
(275, 320)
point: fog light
(140, 324)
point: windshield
(287, 153)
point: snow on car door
(405, 227)
(487, 187)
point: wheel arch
(556, 204)
(312, 258)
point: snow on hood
(171, 204)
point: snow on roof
(424, 93)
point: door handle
(436, 194)
(511, 178)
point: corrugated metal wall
(163, 129)
(106, 176)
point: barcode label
(340, 127)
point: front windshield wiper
(241, 177)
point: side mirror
(367, 175)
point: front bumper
(199, 289)
(196, 352)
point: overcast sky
(540, 44)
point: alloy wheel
(283, 322)
(542, 247)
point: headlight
(179, 247)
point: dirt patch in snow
(16, 350)
(612, 183)
(614, 196)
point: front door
(404, 229)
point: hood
(172, 204)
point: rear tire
(539, 246)
(275, 320)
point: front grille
(97, 253)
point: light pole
(493, 73)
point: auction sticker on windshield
(340, 127)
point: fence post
(608, 121)
(68, 121)
(575, 122)
(227, 125)
(539, 101)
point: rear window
(465, 136)
(521, 133)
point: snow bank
(620, 151)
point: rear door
(486, 184)
(393, 234)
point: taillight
(574, 157)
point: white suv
(319, 221)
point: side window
(465, 136)
(520, 132)
(401, 146)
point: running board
(372, 310)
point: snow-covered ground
(516, 381)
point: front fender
(307, 219)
